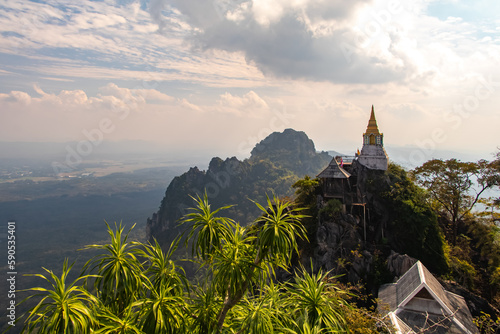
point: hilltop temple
(340, 177)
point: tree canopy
(456, 186)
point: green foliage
(137, 288)
(162, 311)
(63, 308)
(120, 273)
(485, 236)
(463, 271)
(108, 322)
(241, 260)
(317, 303)
(161, 269)
(361, 321)
(379, 274)
(331, 209)
(461, 263)
(204, 308)
(451, 186)
(211, 230)
(254, 316)
(414, 222)
(279, 227)
(306, 192)
(486, 324)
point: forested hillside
(276, 163)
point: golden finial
(372, 124)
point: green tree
(315, 301)
(456, 186)
(306, 196)
(240, 259)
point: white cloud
(110, 97)
(97, 21)
(200, 62)
(250, 104)
(76, 97)
(21, 98)
(188, 105)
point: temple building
(340, 178)
(337, 182)
(373, 154)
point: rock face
(339, 249)
(291, 150)
(398, 264)
(363, 239)
(275, 164)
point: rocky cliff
(390, 216)
(274, 165)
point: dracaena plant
(64, 307)
(119, 272)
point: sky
(220, 75)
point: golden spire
(372, 124)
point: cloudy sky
(219, 75)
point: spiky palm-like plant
(120, 274)
(64, 308)
(164, 308)
(203, 311)
(255, 316)
(314, 300)
(239, 259)
(111, 323)
(162, 270)
(279, 228)
(162, 311)
(210, 230)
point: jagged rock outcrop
(275, 164)
(291, 150)
(385, 216)
(339, 248)
(398, 264)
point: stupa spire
(373, 154)
(372, 124)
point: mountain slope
(275, 164)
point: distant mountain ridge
(275, 164)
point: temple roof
(334, 171)
(372, 124)
(418, 300)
